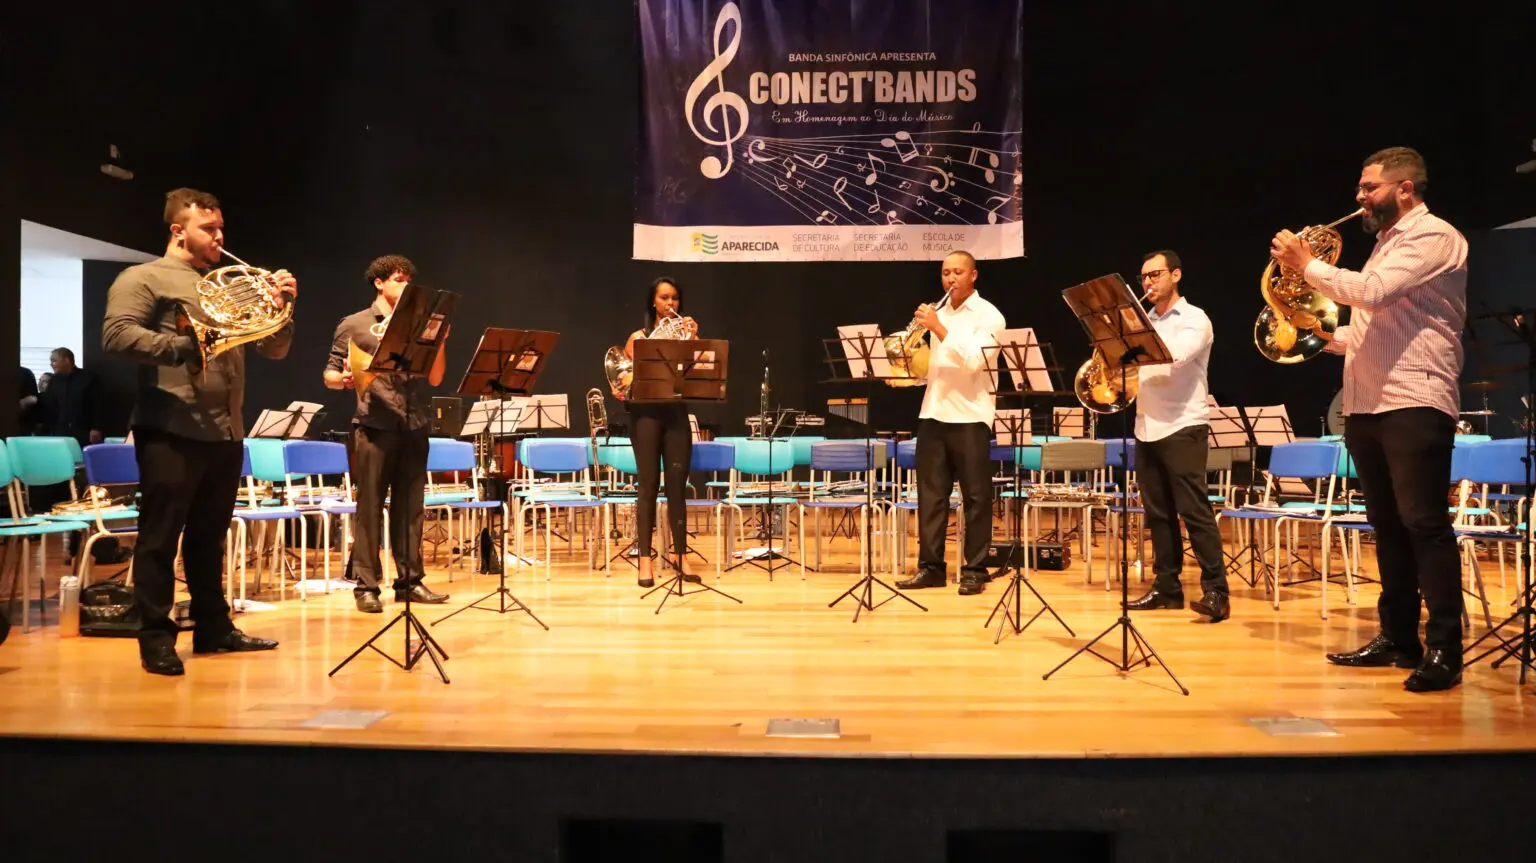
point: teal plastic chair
(16, 531)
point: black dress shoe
(234, 641)
(924, 579)
(1378, 653)
(692, 578)
(1216, 606)
(420, 593)
(645, 581)
(1155, 599)
(970, 585)
(368, 603)
(159, 657)
(1440, 670)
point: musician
(187, 428)
(1402, 358)
(1172, 439)
(662, 441)
(954, 428)
(389, 445)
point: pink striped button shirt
(1402, 347)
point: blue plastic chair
(106, 465)
(558, 456)
(16, 531)
(858, 460)
(1305, 460)
(446, 455)
(264, 452)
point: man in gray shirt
(188, 430)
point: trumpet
(1297, 322)
(1099, 385)
(236, 301)
(359, 359)
(907, 352)
(619, 368)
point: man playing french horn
(954, 428)
(1402, 358)
(187, 422)
(389, 443)
(1172, 440)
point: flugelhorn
(239, 305)
(1297, 322)
(1099, 386)
(619, 368)
(359, 359)
(908, 353)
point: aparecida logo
(723, 102)
(708, 244)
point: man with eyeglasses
(1172, 440)
(1402, 358)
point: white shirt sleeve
(1190, 335)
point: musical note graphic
(905, 184)
(875, 207)
(991, 159)
(724, 102)
(837, 189)
(942, 182)
(758, 146)
(789, 172)
(890, 218)
(827, 216)
(992, 213)
(922, 201)
(874, 173)
(902, 136)
(819, 162)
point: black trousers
(187, 492)
(388, 464)
(1403, 459)
(947, 452)
(661, 438)
(1171, 475)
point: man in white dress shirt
(954, 428)
(1402, 358)
(1172, 439)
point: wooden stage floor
(706, 675)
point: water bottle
(69, 606)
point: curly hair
(385, 266)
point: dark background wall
(494, 145)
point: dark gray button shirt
(391, 402)
(175, 395)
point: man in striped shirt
(1402, 358)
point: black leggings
(661, 436)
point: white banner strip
(827, 243)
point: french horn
(908, 353)
(1297, 322)
(619, 368)
(237, 302)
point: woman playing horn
(660, 434)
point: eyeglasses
(1152, 275)
(1368, 188)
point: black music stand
(673, 371)
(290, 423)
(769, 423)
(1012, 428)
(863, 365)
(1521, 646)
(1250, 428)
(1119, 329)
(506, 363)
(409, 347)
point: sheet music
(1271, 425)
(1034, 370)
(276, 423)
(1228, 428)
(1011, 427)
(549, 411)
(859, 339)
(499, 418)
(1070, 422)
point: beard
(1377, 215)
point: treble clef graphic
(724, 101)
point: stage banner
(829, 130)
